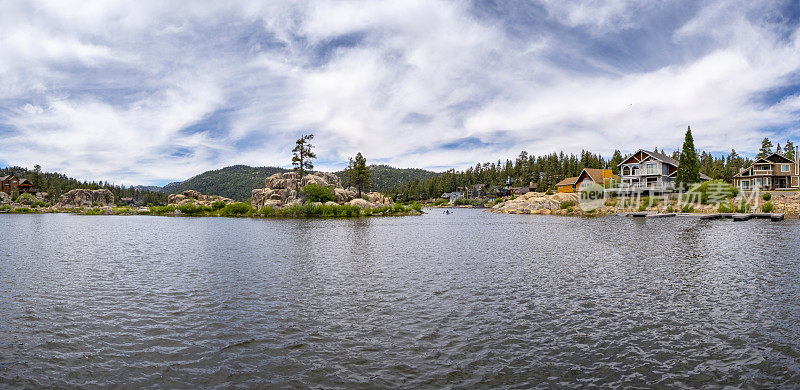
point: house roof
(656, 155)
(3, 178)
(596, 174)
(568, 181)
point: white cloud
(151, 92)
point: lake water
(461, 300)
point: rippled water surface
(469, 299)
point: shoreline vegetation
(238, 209)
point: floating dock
(734, 216)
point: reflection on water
(469, 299)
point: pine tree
(616, 159)
(766, 148)
(302, 155)
(688, 165)
(778, 149)
(789, 150)
(358, 174)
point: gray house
(647, 171)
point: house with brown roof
(567, 185)
(9, 183)
(774, 172)
(592, 176)
(587, 178)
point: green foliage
(5, 207)
(689, 164)
(94, 211)
(236, 182)
(567, 204)
(469, 202)
(302, 156)
(713, 190)
(192, 209)
(643, 207)
(23, 210)
(767, 207)
(687, 208)
(236, 210)
(743, 207)
(766, 148)
(385, 178)
(318, 193)
(440, 202)
(570, 209)
(218, 205)
(767, 196)
(357, 173)
(725, 207)
(309, 210)
(670, 209)
(549, 192)
(26, 199)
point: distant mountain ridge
(238, 181)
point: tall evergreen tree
(616, 159)
(789, 150)
(688, 165)
(302, 155)
(358, 174)
(766, 148)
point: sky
(149, 92)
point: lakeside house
(567, 185)
(649, 171)
(587, 178)
(9, 183)
(774, 172)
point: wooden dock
(734, 216)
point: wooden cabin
(9, 183)
(567, 185)
(592, 176)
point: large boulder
(4, 198)
(86, 198)
(196, 197)
(283, 189)
(361, 203)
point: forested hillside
(384, 177)
(56, 184)
(236, 182)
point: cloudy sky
(147, 92)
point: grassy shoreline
(234, 210)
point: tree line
(546, 170)
(57, 184)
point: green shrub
(440, 202)
(5, 207)
(158, 210)
(317, 193)
(725, 207)
(705, 189)
(570, 209)
(416, 206)
(94, 211)
(218, 205)
(549, 192)
(687, 208)
(743, 207)
(767, 207)
(464, 202)
(23, 210)
(611, 202)
(567, 204)
(238, 209)
(767, 196)
(193, 209)
(27, 199)
(643, 207)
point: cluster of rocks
(538, 203)
(86, 198)
(283, 189)
(197, 198)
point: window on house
(784, 167)
(651, 168)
